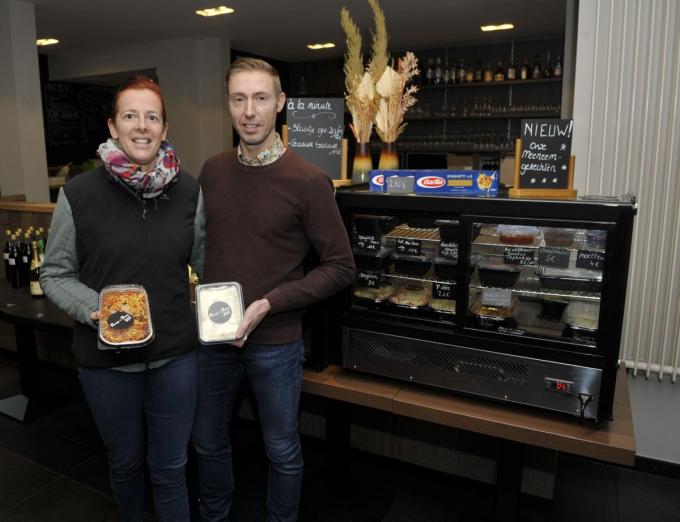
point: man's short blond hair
(254, 64)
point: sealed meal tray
(494, 272)
(377, 295)
(517, 234)
(582, 315)
(410, 267)
(576, 280)
(559, 237)
(412, 295)
(219, 311)
(487, 316)
(125, 316)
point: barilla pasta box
(376, 180)
(457, 182)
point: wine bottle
(478, 71)
(5, 252)
(524, 70)
(557, 73)
(547, 72)
(438, 72)
(512, 70)
(461, 72)
(34, 277)
(24, 261)
(499, 76)
(536, 72)
(13, 272)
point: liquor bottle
(512, 70)
(461, 72)
(499, 76)
(536, 72)
(13, 273)
(557, 73)
(5, 252)
(24, 261)
(524, 70)
(438, 72)
(429, 73)
(488, 73)
(469, 74)
(547, 72)
(478, 71)
(34, 277)
(453, 73)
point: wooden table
(515, 426)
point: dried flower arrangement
(395, 97)
(360, 82)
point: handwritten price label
(590, 259)
(557, 257)
(409, 247)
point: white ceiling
(281, 29)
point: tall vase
(362, 163)
(389, 160)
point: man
(265, 208)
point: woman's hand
(251, 318)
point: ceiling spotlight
(317, 46)
(215, 11)
(46, 41)
(501, 27)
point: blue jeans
(275, 374)
(148, 413)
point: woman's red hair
(140, 83)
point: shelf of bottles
(23, 254)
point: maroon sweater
(260, 225)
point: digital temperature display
(559, 386)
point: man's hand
(95, 315)
(251, 318)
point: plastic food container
(377, 295)
(582, 315)
(374, 225)
(596, 239)
(517, 234)
(559, 237)
(219, 311)
(494, 272)
(495, 316)
(379, 262)
(125, 317)
(443, 306)
(553, 307)
(570, 280)
(449, 230)
(445, 269)
(410, 267)
(412, 295)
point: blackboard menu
(315, 128)
(546, 149)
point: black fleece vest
(121, 239)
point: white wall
(23, 163)
(191, 74)
(627, 138)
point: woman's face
(138, 126)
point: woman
(137, 219)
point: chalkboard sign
(589, 259)
(546, 149)
(409, 247)
(368, 279)
(557, 257)
(518, 256)
(315, 128)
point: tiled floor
(54, 469)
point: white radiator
(627, 139)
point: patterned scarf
(148, 184)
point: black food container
(369, 225)
(493, 272)
(410, 267)
(570, 280)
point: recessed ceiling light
(215, 11)
(46, 41)
(317, 46)
(501, 27)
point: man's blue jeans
(275, 374)
(146, 414)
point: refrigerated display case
(516, 300)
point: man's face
(253, 105)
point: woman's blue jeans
(275, 375)
(146, 414)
